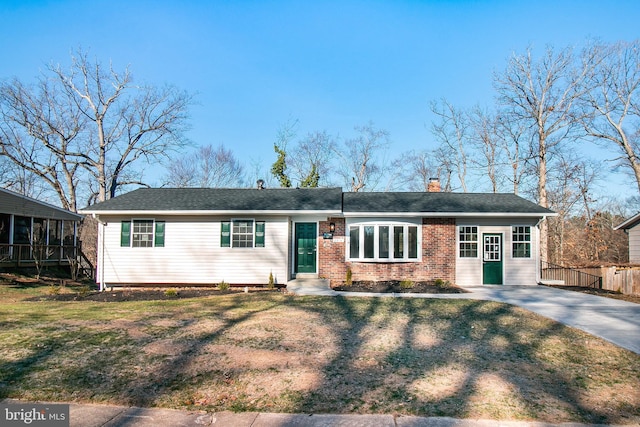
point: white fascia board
(628, 222)
(209, 213)
(445, 214)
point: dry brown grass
(278, 353)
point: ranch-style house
(204, 236)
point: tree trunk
(542, 194)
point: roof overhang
(61, 213)
(208, 212)
(630, 223)
(336, 212)
(447, 214)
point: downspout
(101, 254)
(538, 259)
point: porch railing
(27, 255)
(570, 276)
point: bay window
(384, 242)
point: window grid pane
(354, 245)
(398, 242)
(383, 241)
(242, 234)
(468, 242)
(368, 241)
(413, 242)
(521, 238)
(142, 233)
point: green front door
(305, 247)
(492, 259)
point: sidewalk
(122, 416)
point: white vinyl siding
(192, 254)
(517, 271)
(634, 245)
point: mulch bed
(144, 294)
(393, 286)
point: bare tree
(570, 182)
(286, 133)
(310, 159)
(542, 94)
(89, 120)
(40, 133)
(207, 167)
(484, 138)
(515, 145)
(612, 101)
(21, 181)
(452, 132)
(360, 163)
(414, 169)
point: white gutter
(627, 222)
(101, 253)
(446, 214)
(212, 212)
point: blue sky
(331, 65)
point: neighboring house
(31, 230)
(632, 228)
(196, 236)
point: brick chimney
(434, 185)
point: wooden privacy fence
(625, 280)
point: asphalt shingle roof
(224, 199)
(440, 203)
(316, 199)
(17, 204)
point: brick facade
(438, 255)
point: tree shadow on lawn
(424, 357)
(483, 361)
(101, 364)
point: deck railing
(569, 276)
(27, 255)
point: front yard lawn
(272, 352)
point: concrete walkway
(613, 320)
(123, 416)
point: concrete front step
(310, 286)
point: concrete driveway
(613, 320)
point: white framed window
(384, 242)
(242, 233)
(521, 241)
(142, 233)
(468, 241)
